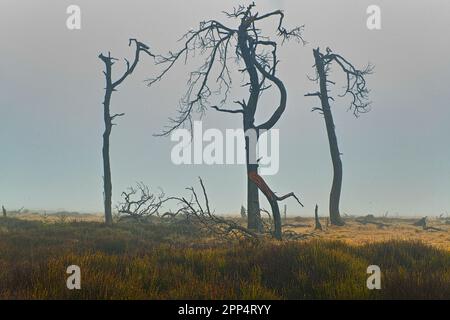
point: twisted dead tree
(255, 56)
(112, 86)
(357, 90)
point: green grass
(144, 261)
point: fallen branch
(296, 225)
(432, 228)
(292, 235)
(369, 219)
(200, 214)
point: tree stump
(243, 213)
(421, 223)
(316, 216)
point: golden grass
(399, 229)
(352, 233)
(147, 261)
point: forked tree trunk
(108, 118)
(273, 201)
(335, 194)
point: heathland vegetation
(156, 260)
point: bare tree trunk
(107, 183)
(336, 186)
(253, 208)
(4, 211)
(357, 90)
(276, 218)
(316, 217)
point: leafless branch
(220, 43)
(109, 61)
(223, 228)
(227, 110)
(139, 202)
(356, 86)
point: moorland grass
(159, 261)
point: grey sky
(396, 158)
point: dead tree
(112, 86)
(370, 219)
(255, 55)
(138, 202)
(316, 218)
(198, 212)
(357, 90)
(421, 222)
